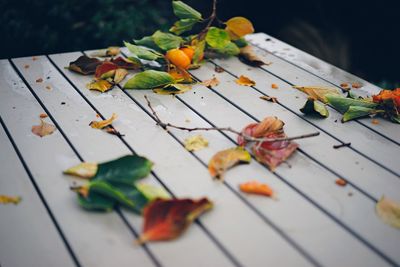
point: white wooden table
(313, 222)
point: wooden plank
(185, 176)
(327, 75)
(176, 112)
(95, 238)
(367, 143)
(21, 226)
(95, 145)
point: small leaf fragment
(255, 187)
(388, 211)
(43, 129)
(243, 80)
(84, 65)
(318, 92)
(149, 79)
(104, 123)
(168, 219)
(269, 98)
(247, 56)
(226, 159)
(238, 27)
(211, 82)
(85, 170)
(312, 107)
(195, 143)
(10, 199)
(100, 85)
(341, 182)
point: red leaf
(125, 63)
(166, 219)
(104, 68)
(84, 65)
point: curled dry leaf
(267, 126)
(318, 92)
(84, 65)
(248, 57)
(389, 212)
(43, 129)
(168, 219)
(84, 170)
(195, 143)
(103, 123)
(269, 98)
(243, 80)
(341, 182)
(255, 187)
(9, 199)
(226, 159)
(211, 82)
(100, 85)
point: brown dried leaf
(104, 123)
(100, 85)
(218, 69)
(247, 56)
(84, 65)
(226, 159)
(243, 80)
(166, 219)
(211, 82)
(269, 98)
(318, 92)
(195, 143)
(389, 212)
(9, 199)
(43, 129)
(269, 125)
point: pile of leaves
(115, 183)
(164, 58)
(385, 104)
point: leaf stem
(210, 19)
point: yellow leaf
(43, 129)
(211, 82)
(104, 123)
(243, 80)
(318, 92)
(84, 170)
(226, 159)
(238, 27)
(173, 89)
(9, 200)
(119, 75)
(195, 143)
(100, 85)
(389, 212)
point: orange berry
(178, 58)
(188, 51)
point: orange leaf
(105, 68)
(238, 27)
(8, 200)
(104, 123)
(166, 219)
(257, 188)
(100, 85)
(43, 129)
(243, 80)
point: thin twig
(224, 129)
(341, 145)
(210, 19)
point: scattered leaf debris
(39, 80)
(375, 121)
(48, 87)
(341, 182)
(211, 82)
(356, 85)
(43, 129)
(342, 145)
(243, 80)
(195, 143)
(255, 187)
(218, 69)
(43, 115)
(388, 211)
(345, 86)
(26, 66)
(104, 123)
(274, 86)
(10, 199)
(269, 98)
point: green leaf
(355, 112)
(142, 52)
(152, 192)
(199, 52)
(96, 201)
(395, 118)
(230, 50)
(312, 107)
(342, 104)
(217, 38)
(183, 11)
(241, 42)
(147, 41)
(127, 196)
(125, 170)
(183, 25)
(167, 41)
(149, 79)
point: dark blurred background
(363, 38)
